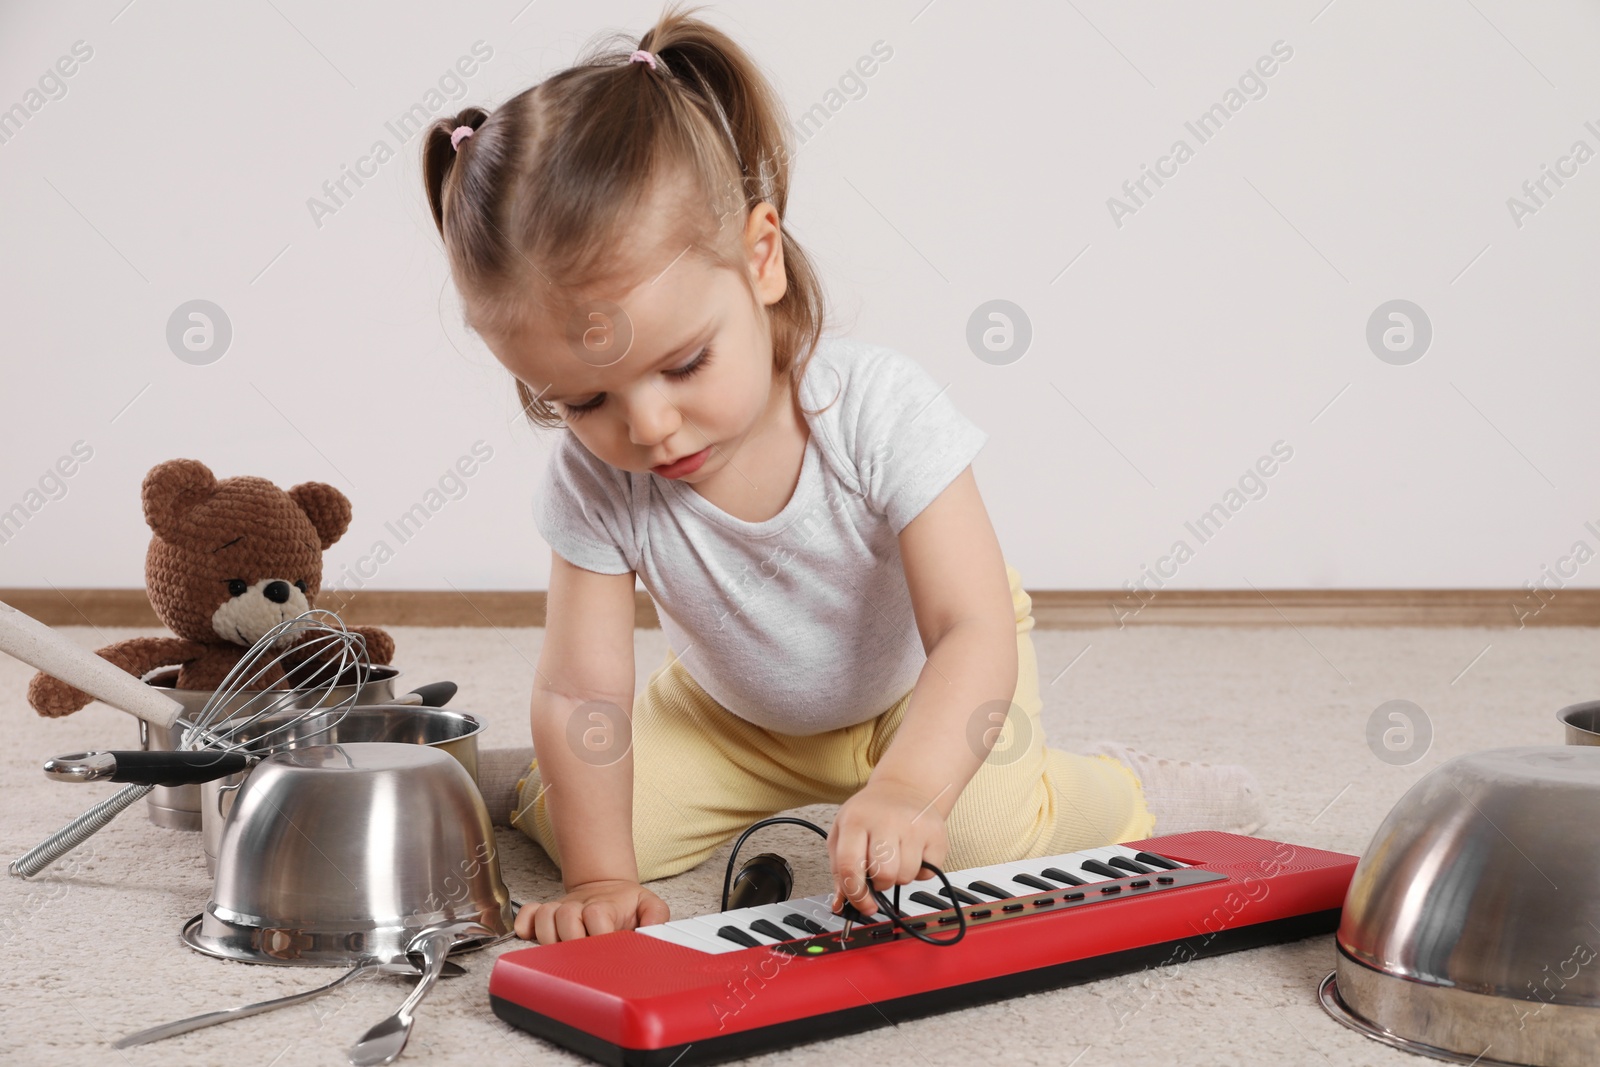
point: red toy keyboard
(732, 984)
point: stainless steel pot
(177, 807)
(1471, 930)
(340, 852)
(1581, 722)
(451, 731)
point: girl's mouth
(687, 465)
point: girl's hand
(881, 837)
(591, 908)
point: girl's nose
(652, 418)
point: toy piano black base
(692, 991)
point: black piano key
(1128, 865)
(1032, 882)
(1096, 867)
(1061, 876)
(1156, 861)
(771, 929)
(734, 934)
(924, 897)
(800, 922)
(955, 892)
(1013, 907)
(992, 890)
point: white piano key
(817, 911)
(707, 926)
(675, 933)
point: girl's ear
(171, 489)
(326, 507)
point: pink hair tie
(461, 133)
(641, 56)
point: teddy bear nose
(277, 592)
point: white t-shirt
(801, 623)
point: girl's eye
(692, 366)
(577, 411)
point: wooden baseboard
(1052, 608)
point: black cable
(896, 918)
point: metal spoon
(211, 1018)
(384, 1042)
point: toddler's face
(672, 376)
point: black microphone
(763, 879)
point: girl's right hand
(590, 908)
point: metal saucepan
(220, 774)
(1582, 722)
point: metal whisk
(303, 659)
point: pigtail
(740, 101)
(734, 95)
(439, 156)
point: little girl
(844, 627)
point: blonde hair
(547, 185)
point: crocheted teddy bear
(230, 559)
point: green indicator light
(814, 949)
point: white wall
(1222, 316)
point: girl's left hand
(881, 837)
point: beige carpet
(91, 947)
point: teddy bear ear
(326, 507)
(171, 489)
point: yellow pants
(702, 775)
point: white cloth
(802, 623)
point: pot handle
(222, 795)
(147, 768)
(432, 695)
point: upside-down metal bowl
(448, 729)
(1471, 930)
(336, 853)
